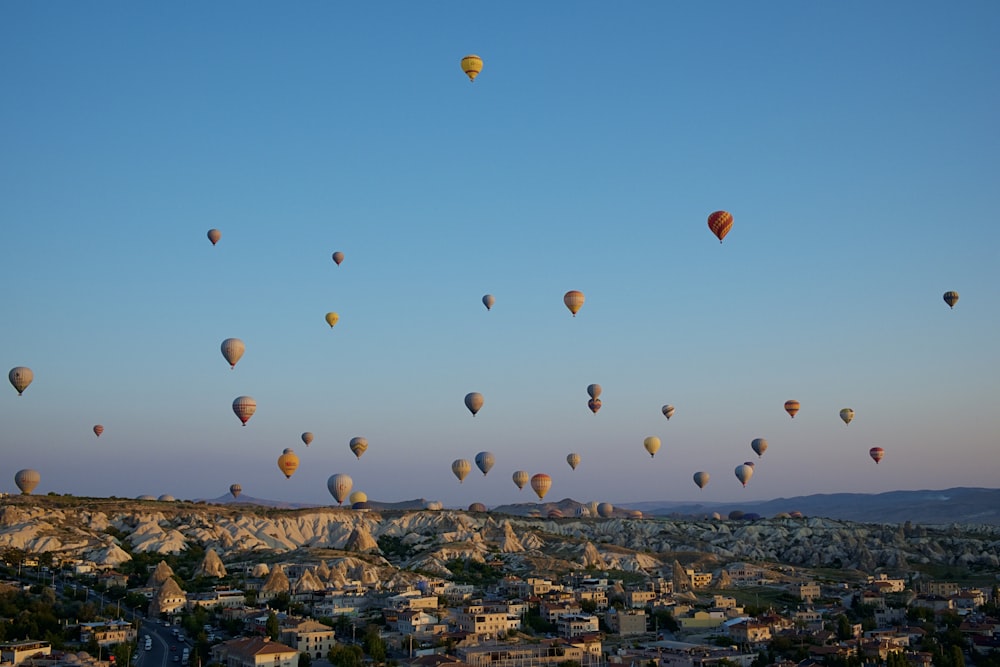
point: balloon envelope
(605, 510)
(307, 438)
(98, 430)
(876, 453)
(332, 318)
(477, 507)
(460, 468)
(472, 65)
(20, 377)
(701, 479)
(951, 298)
(541, 483)
(359, 446)
(288, 463)
(759, 445)
(847, 415)
(488, 301)
(668, 411)
(652, 445)
(573, 459)
(244, 407)
(484, 461)
(27, 480)
(235, 490)
(792, 408)
(720, 222)
(744, 473)
(594, 404)
(594, 390)
(358, 497)
(574, 301)
(474, 401)
(214, 235)
(339, 486)
(521, 478)
(232, 350)
(338, 257)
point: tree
(271, 627)
(374, 645)
(345, 655)
(305, 660)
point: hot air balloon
(232, 350)
(472, 65)
(750, 463)
(477, 507)
(307, 438)
(488, 301)
(668, 411)
(573, 459)
(744, 473)
(338, 257)
(332, 318)
(951, 298)
(541, 483)
(20, 377)
(339, 486)
(235, 490)
(594, 404)
(98, 430)
(792, 407)
(759, 445)
(433, 505)
(594, 390)
(573, 300)
(847, 415)
(605, 510)
(214, 235)
(484, 461)
(358, 497)
(460, 468)
(474, 401)
(27, 480)
(876, 453)
(701, 479)
(652, 445)
(521, 478)
(592, 506)
(359, 446)
(288, 462)
(720, 222)
(244, 407)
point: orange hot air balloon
(876, 453)
(338, 257)
(214, 235)
(594, 404)
(541, 483)
(720, 223)
(98, 430)
(288, 462)
(244, 407)
(574, 301)
(792, 408)
(472, 65)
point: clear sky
(856, 144)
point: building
(572, 625)
(307, 636)
(108, 633)
(17, 652)
(476, 620)
(547, 653)
(699, 579)
(626, 622)
(750, 632)
(807, 592)
(255, 652)
(226, 599)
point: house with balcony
(254, 652)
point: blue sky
(855, 143)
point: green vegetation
(468, 571)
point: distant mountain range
(957, 505)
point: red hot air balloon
(876, 453)
(98, 430)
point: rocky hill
(109, 531)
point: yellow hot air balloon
(20, 377)
(288, 462)
(244, 407)
(668, 411)
(701, 479)
(652, 445)
(574, 301)
(461, 468)
(359, 446)
(485, 461)
(594, 390)
(472, 65)
(951, 298)
(339, 486)
(307, 438)
(744, 473)
(236, 490)
(474, 401)
(27, 480)
(792, 408)
(759, 445)
(521, 478)
(358, 497)
(214, 235)
(338, 257)
(847, 415)
(540, 484)
(573, 459)
(488, 301)
(232, 350)
(332, 318)
(98, 430)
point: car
(177, 658)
